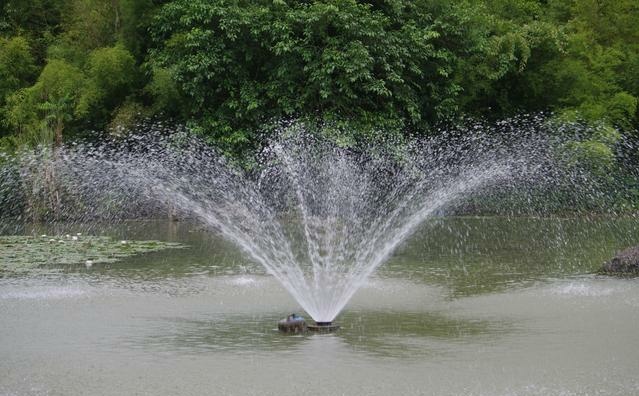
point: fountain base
(323, 327)
(296, 324)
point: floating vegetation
(20, 253)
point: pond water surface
(467, 306)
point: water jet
(318, 217)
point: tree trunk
(59, 127)
(116, 10)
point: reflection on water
(467, 255)
(384, 334)
(483, 255)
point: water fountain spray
(319, 217)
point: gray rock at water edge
(624, 263)
(292, 324)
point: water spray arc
(319, 217)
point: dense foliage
(226, 68)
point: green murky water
(468, 306)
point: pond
(467, 306)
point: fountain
(319, 217)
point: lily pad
(20, 253)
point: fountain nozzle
(323, 327)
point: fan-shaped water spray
(319, 217)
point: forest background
(93, 69)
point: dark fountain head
(323, 327)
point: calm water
(468, 306)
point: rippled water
(468, 306)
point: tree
(111, 75)
(91, 24)
(17, 68)
(36, 20)
(50, 102)
(135, 16)
(238, 64)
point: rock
(292, 324)
(624, 263)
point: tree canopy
(228, 67)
